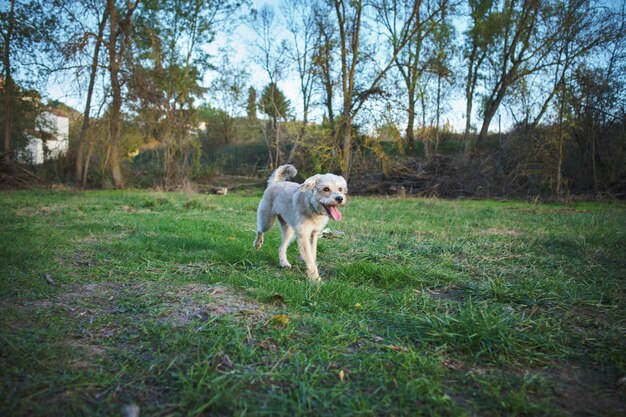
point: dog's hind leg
(265, 219)
(287, 236)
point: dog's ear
(310, 183)
(345, 184)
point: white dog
(300, 208)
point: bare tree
(8, 87)
(80, 165)
(517, 51)
(26, 30)
(120, 27)
(420, 18)
(349, 15)
(299, 19)
(478, 38)
(324, 61)
(269, 54)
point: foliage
(168, 72)
(273, 103)
(251, 104)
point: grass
(427, 307)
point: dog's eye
(326, 189)
(340, 190)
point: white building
(56, 126)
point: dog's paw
(285, 265)
(314, 275)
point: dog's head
(328, 191)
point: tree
(227, 94)
(478, 37)
(82, 163)
(518, 49)
(323, 60)
(268, 50)
(275, 105)
(26, 29)
(300, 22)
(168, 67)
(270, 55)
(251, 104)
(349, 21)
(441, 55)
(420, 19)
(120, 32)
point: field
(427, 307)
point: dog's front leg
(314, 236)
(304, 244)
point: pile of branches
(439, 176)
(14, 176)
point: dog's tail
(282, 173)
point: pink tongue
(334, 212)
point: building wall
(55, 124)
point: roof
(56, 112)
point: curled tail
(282, 173)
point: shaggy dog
(302, 209)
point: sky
(240, 43)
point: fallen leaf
(342, 375)
(397, 348)
(280, 319)
(218, 290)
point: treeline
(384, 74)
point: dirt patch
(169, 303)
(80, 258)
(198, 301)
(583, 391)
(501, 231)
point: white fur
(300, 211)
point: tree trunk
(438, 113)
(276, 134)
(78, 173)
(593, 158)
(470, 86)
(559, 165)
(115, 111)
(8, 84)
(490, 111)
(87, 161)
(346, 146)
(425, 131)
(410, 128)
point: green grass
(427, 307)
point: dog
(302, 210)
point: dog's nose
(339, 199)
